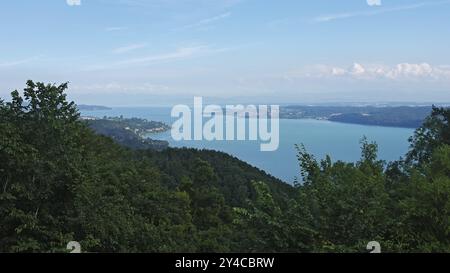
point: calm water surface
(339, 140)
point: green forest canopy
(59, 182)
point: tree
(434, 132)
(39, 156)
(344, 203)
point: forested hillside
(390, 116)
(59, 182)
(130, 133)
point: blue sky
(143, 52)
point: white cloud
(206, 21)
(18, 62)
(128, 48)
(401, 71)
(73, 2)
(357, 70)
(411, 70)
(336, 71)
(345, 15)
(179, 54)
(374, 2)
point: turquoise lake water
(339, 140)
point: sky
(161, 52)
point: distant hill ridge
(391, 116)
(84, 107)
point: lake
(339, 140)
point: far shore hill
(84, 107)
(388, 116)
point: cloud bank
(73, 2)
(401, 71)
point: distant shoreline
(84, 107)
(410, 117)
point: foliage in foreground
(60, 182)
